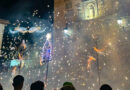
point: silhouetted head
(67, 84)
(38, 85)
(18, 82)
(68, 88)
(1, 88)
(105, 87)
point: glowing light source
(109, 43)
(48, 36)
(25, 30)
(98, 50)
(119, 22)
(67, 32)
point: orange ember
(91, 58)
(41, 61)
(24, 45)
(98, 50)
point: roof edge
(4, 21)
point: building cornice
(4, 21)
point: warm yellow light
(48, 36)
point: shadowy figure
(1, 88)
(105, 87)
(67, 84)
(38, 85)
(68, 88)
(18, 82)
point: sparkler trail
(46, 54)
(98, 50)
(91, 58)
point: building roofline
(4, 21)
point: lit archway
(90, 12)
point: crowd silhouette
(38, 85)
(1, 88)
(18, 82)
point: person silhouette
(18, 82)
(105, 87)
(68, 88)
(1, 88)
(68, 84)
(38, 85)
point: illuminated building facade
(70, 11)
(89, 24)
(77, 15)
(3, 23)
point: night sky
(32, 11)
(18, 9)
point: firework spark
(91, 58)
